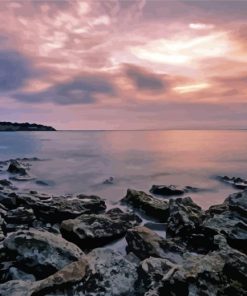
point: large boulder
(237, 203)
(185, 217)
(144, 243)
(150, 205)
(109, 274)
(41, 252)
(171, 190)
(57, 209)
(90, 231)
(221, 272)
(234, 229)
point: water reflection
(81, 161)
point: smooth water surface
(79, 161)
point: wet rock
(20, 215)
(5, 183)
(237, 204)
(109, 274)
(15, 167)
(172, 190)
(90, 231)
(151, 273)
(236, 182)
(144, 243)
(17, 274)
(150, 205)
(16, 288)
(109, 181)
(24, 178)
(8, 199)
(57, 209)
(185, 217)
(42, 252)
(234, 229)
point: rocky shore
(59, 245)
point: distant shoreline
(21, 127)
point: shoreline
(46, 237)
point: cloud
(81, 90)
(144, 79)
(15, 70)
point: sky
(118, 64)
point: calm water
(79, 161)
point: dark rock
(41, 252)
(234, 229)
(144, 243)
(20, 215)
(16, 167)
(8, 199)
(185, 217)
(109, 181)
(17, 274)
(57, 209)
(109, 273)
(90, 231)
(237, 204)
(172, 190)
(5, 183)
(236, 182)
(150, 205)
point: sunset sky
(114, 64)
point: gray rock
(57, 209)
(150, 205)
(15, 167)
(42, 252)
(90, 231)
(236, 182)
(185, 217)
(16, 288)
(171, 190)
(144, 243)
(109, 274)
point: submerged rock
(15, 167)
(144, 243)
(109, 181)
(150, 205)
(41, 252)
(90, 231)
(236, 182)
(57, 209)
(172, 190)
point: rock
(237, 204)
(109, 181)
(109, 274)
(20, 215)
(151, 206)
(90, 231)
(152, 271)
(144, 243)
(211, 274)
(16, 288)
(41, 252)
(17, 274)
(65, 281)
(236, 182)
(185, 217)
(57, 209)
(8, 199)
(172, 190)
(234, 229)
(16, 167)
(5, 183)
